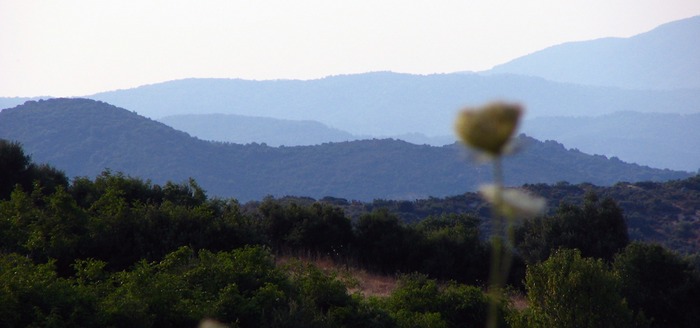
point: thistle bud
(489, 128)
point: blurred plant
(489, 131)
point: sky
(76, 48)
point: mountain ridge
(659, 140)
(661, 59)
(84, 137)
(388, 103)
(248, 129)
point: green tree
(567, 290)
(597, 229)
(115, 230)
(32, 295)
(660, 284)
(319, 228)
(135, 191)
(59, 231)
(242, 288)
(451, 248)
(14, 167)
(190, 194)
(17, 168)
(16, 215)
(380, 241)
(321, 296)
(421, 302)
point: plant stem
(500, 255)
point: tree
(59, 231)
(16, 216)
(242, 287)
(380, 240)
(32, 295)
(14, 165)
(321, 229)
(48, 177)
(452, 248)
(422, 302)
(190, 194)
(660, 284)
(597, 229)
(570, 291)
(17, 168)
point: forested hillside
(84, 137)
(667, 213)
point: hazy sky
(72, 48)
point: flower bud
(488, 129)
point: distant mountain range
(386, 104)
(7, 102)
(654, 139)
(667, 57)
(586, 95)
(247, 129)
(83, 137)
(276, 132)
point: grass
(356, 280)
(369, 284)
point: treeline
(121, 220)
(119, 251)
(667, 213)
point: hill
(420, 110)
(667, 212)
(663, 58)
(275, 132)
(7, 102)
(83, 137)
(655, 139)
(386, 104)
(248, 129)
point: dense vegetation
(660, 212)
(119, 251)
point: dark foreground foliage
(242, 288)
(120, 251)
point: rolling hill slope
(83, 137)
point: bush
(570, 291)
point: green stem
(499, 263)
